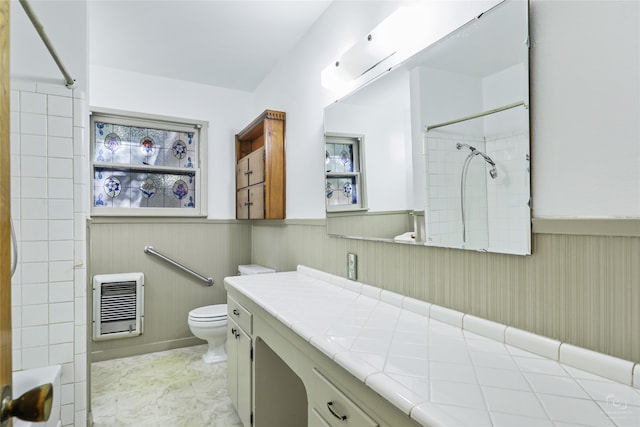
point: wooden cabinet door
(242, 204)
(242, 175)
(256, 201)
(256, 166)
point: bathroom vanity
(327, 351)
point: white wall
(65, 22)
(585, 98)
(226, 110)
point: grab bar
(150, 250)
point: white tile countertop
(443, 367)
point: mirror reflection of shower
(493, 173)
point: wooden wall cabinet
(260, 168)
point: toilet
(209, 323)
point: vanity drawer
(334, 407)
(240, 315)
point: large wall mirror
(444, 154)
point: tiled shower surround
(48, 193)
(495, 208)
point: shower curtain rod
(475, 116)
(69, 81)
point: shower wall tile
(61, 292)
(14, 100)
(61, 312)
(61, 250)
(33, 209)
(60, 271)
(61, 353)
(14, 121)
(60, 147)
(35, 294)
(15, 141)
(33, 188)
(60, 188)
(60, 168)
(34, 357)
(61, 333)
(79, 106)
(33, 103)
(35, 166)
(33, 124)
(33, 145)
(35, 336)
(59, 106)
(33, 315)
(61, 229)
(34, 252)
(60, 126)
(35, 272)
(60, 208)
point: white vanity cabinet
(239, 359)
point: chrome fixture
(151, 251)
(493, 173)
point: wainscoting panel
(580, 289)
(213, 249)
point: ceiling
(227, 43)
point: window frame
(357, 141)
(128, 118)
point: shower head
(460, 146)
(493, 172)
(486, 158)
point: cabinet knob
(236, 312)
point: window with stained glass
(147, 165)
(343, 173)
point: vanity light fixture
(386, 44)
(402, 34)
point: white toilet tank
(248, 269)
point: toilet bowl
(209, 323)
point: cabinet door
(242, 173)
(245, 407)
(256, 201)
(232, 362)
(256, 166)
(242, 204)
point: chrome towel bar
(150, 250)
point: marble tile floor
(168, 388)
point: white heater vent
(118, 310)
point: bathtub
(30, 378)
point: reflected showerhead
(493, 172)
(460, 146)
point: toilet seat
(209, 313)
